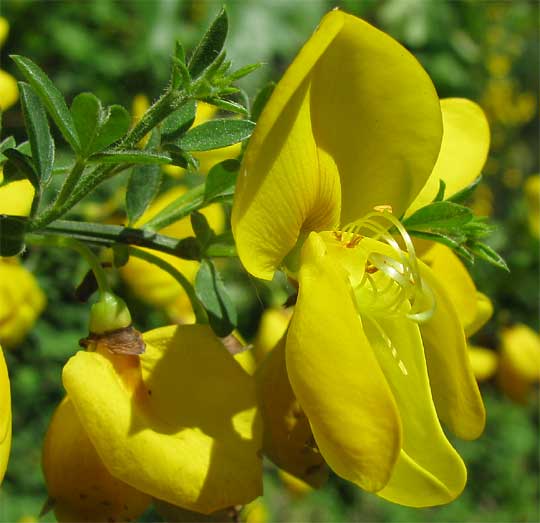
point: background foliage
(487, 51)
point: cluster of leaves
(453, 224)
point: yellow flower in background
(5, 416)
(9, 92)
(519, 363)
(484, 362)
(21, 302)
(272, 327)
(179, 423)
(532, 199)
(356, 125)
(156, 286)
(207, 159)
(21, 299)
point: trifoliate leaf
(51, 97)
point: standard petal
(429, 471)
(376, 113)
(455, 391)
(287, 437)
(336, 377)
(463, 152)
(81, 488)
(336, 138)
(185, 430)
(5, 416)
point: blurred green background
(486, 51)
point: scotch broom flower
(21, 299)
(519, 362)
(9, 92)
(178, 423)
(375, 353)
(5, 416)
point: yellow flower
(519, 363)
(9, 92)
(375, 352)
(21, 302)
(207, 159)
(179, 423)
(156, 286)
(21, 299)
(5, 416)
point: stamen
(402, 270)
(388, 342)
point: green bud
(110, 313)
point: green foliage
(213, 294)
(216, 134)
(39, 133)
(51, 97)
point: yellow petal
(483, 362)
(455, 391)
(519, 365)
(429, 471)
(532, 199)
(21, 302)
(484, 311)
(80, 486)
(4, 30)
(5, 416)
(295, 486)
(338, 136)
(287, 437)
(16, 197)
(464, 150)
(9, 92)
(336, 377)
(185, 430)
(457, 283)
(274, 323)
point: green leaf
(7, 143)
(213, 294)
(463, 195)
(210, 46)
(51, 97)
(130, 156)
(180, 157)
(260, 100)
(228, 105)
(178, 122)
(180, 77)
(115, 125)
(38, 130)
(19, 167)
(216, 134)
(439, 215)
(12, 231)
(203, 231)
(221, 180)
(439, 197)
(486, 253)
(87, 114)
(243, 71)
(142, 188)
(120, 255)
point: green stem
(70, 182)
(108, 235)
(198, 309)
(178, 209)
(83, 250)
